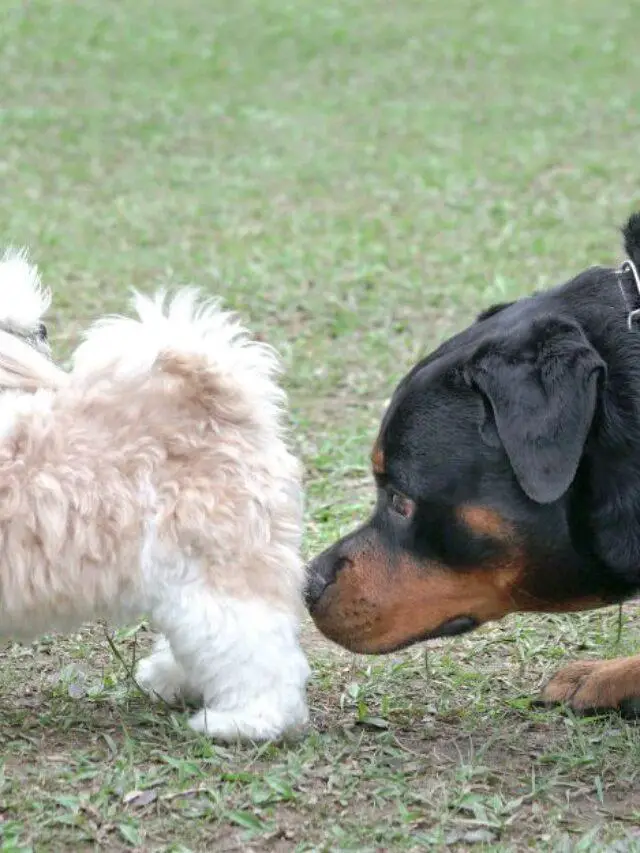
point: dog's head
(23, 300)
(489, 498)
(25, 355)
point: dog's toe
(567, 682)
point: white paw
(161, 678)
(249, 724)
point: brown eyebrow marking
(377, 458)
(484, 521)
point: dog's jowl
(507, 473)
(154, 479)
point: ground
(357, 178)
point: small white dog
(154, 478)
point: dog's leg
(244, 658)
(162, 677)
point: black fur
(631, 235)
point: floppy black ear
(541, 379)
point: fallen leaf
(479, 836)
(76, 690)
(373, 723)
(140, 798)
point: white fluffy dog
(154, 478)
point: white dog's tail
(171, 334)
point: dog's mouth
(449, 628)
(453, 627)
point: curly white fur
(155, 479)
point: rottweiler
(507, 474)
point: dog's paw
(595, 685)
(161, 678)
(243, 725)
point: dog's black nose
(316, 585)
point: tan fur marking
(377, 458)
(484, 521)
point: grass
(357, 178)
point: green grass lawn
(357, 178)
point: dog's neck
(606, 508)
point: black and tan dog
(508, 479)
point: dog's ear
(541, 380)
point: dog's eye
(41, 332)
(401, 504)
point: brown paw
(591, 685)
